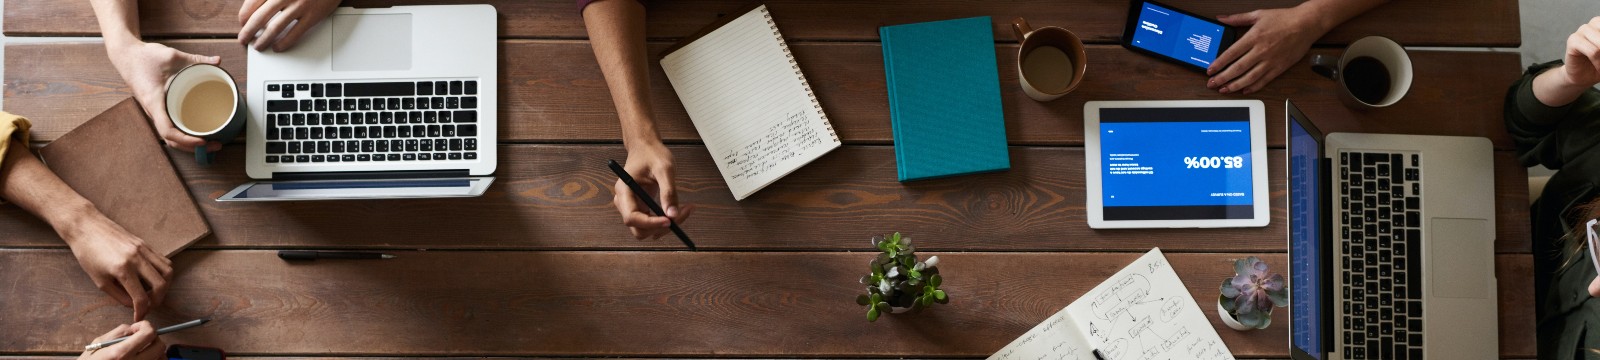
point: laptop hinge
(369, 175)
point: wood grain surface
(610, 303)
(1414, 23)
(559, 197)
(552, 91)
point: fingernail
(672, 211)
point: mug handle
(201, 155)
(1022, 29)
(1327, 66)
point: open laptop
(1391, 245)
(396, 102)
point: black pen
(313, 255)
(1099, 355)
(645, 197)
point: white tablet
(1176, 164)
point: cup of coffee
(204, 102)
(1374, 72)
(1050, 60)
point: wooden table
(539, 266)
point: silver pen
(169, 329)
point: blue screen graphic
(1304, 240)
(1180, 163)
(1176, 35)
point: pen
(645, 197)
(313, 255)
(1100, 355)
(165, 330)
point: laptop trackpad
(1456, 254)
(372, 42)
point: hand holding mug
(145, 67)
(202, 101)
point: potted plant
(898, 282)
(1248, 297)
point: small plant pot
(1229, 320)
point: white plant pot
(1228, 318)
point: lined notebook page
(748, 100)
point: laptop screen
(1305, 155)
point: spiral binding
(796, 66)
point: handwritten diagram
(1145, 312)
(1142, 312)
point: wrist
(119, 43)
(71, 220)
(1315, 15)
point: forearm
(1331, 13)
(119, 22)
(616, 32)
(27, 183)
(1554, 89)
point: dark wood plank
(553, 92)
(608, 303)
(1417, 23)
(559, 197)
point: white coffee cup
(1363, 70)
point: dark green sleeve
(1550, 136)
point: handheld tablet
(1175, 35)
(1176, 164)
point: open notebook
(1142, 312)
(747, 98)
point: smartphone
(189, 352)
(1175, 35)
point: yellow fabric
(12, 127)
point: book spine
(817, 105)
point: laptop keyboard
(1381, 243)
(344, 122)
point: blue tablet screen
(1176, 163)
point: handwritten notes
(751, 105)
(784, 140)
(1142, 312)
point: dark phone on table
(188, 352)
(1175, 35)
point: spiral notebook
(747, 98)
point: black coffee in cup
(1367, 79)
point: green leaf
(876, 298)
(937, 294)
(1265, 321)
(1228, 291)
(1227, 304)
(895, 238)
(936, 280)
(1279, 298)
(914, 274)
(1252, 319)
(1241, 266)
(863, 300)
(872, 314)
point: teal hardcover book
(944, 98)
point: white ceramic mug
(1387, 53)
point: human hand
(650, 166)
(142, 343)
(1277, 40)
(119, 263)
(267, 23)
(1582, 62)
(1594, 287)
(145, 67)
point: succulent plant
(1252, 292)
(898, 280)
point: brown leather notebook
(117, 162)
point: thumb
(143, 335)
(202, 59)
(669, 196)
(1241, 19)
(1594, 287)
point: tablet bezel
(1261, 207)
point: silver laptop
(1391, 245)
(396, 102)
